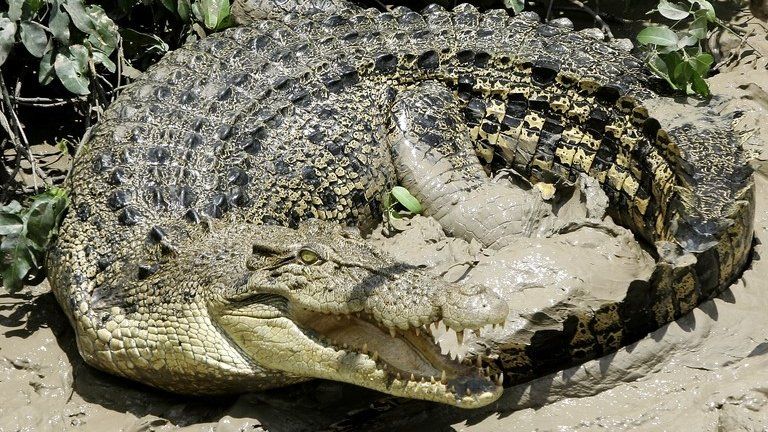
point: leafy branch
(26, 233)
(75, 41)
(675, 52)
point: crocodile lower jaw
(410, 360)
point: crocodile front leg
(435, 161)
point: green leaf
(659, 67)
(10, 224)
(101, 58)
(701, 63)
(12, 207)
(708, 8)
(39, 226)
(184, 9)
(700, 86)
(169, 4)
(662, 65)
(59, 23)
(15, 250)
(405, 198)
(80, 18)
(26, 236)
(34, 38)
(672, 60)
(71, 67)
(129, 71)
(104, 35)
(31, 7)
(516, 5)
(214, 12)
(43, 217)
(7, 38)
(686, 40)
(14, 9)
(196, 11)
(682, 73)
(673, 11)
(45, 72)
(698, 27)
(661, 36)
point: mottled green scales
(192, 257)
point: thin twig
(12, 184)
(736, 52)
(42, 102)
(120, 58)
(23, 149)
(603, 26)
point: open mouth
(410, 359)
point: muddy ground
(707, 372)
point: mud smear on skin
(707, 371)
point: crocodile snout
(472, 306)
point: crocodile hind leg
(435, 160)
(248, 11)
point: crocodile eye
(308, 256)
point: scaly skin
(178, 263)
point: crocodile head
(321, 302)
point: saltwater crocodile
(205, 247)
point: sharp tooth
(468, 392)
(423, 379)
(375, 355)
(488, 371)
(500, 379)
(432, 379)
(418, 332)
(392, 331)
(398, 376)
(365, 347)
(444, 377)
(453, 389)
(413, 378)
(460, 337)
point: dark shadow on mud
(21, 311)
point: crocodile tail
(688, 191)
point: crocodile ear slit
(260, 249)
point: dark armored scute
(204, 249)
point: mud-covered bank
(708, 371)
